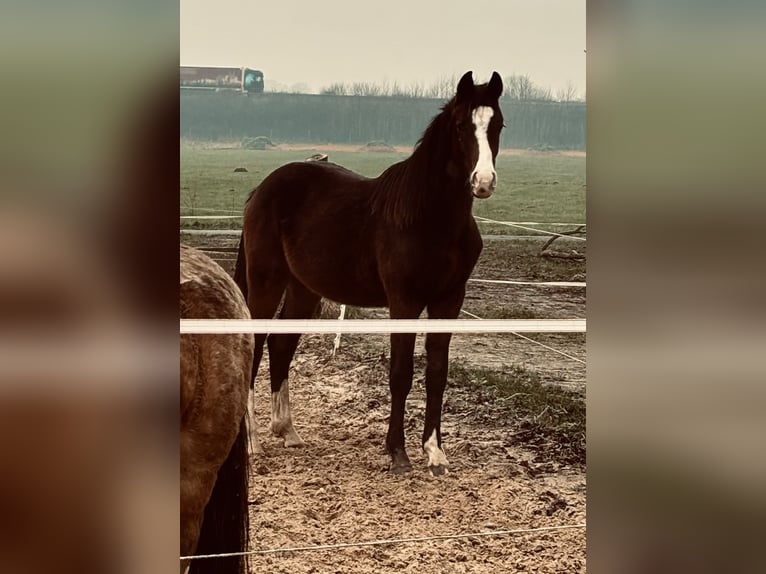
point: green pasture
(541, 187)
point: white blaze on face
(436, 456)
(483, 176)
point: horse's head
(477, 122)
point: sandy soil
(336, 489)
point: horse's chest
(428, 264)
(443, 268)
(451, 261)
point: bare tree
(568, 93)
(517, 87)
(335, 89)
(521, 87)
(443, 88)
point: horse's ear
(495, 87)
(465, 86)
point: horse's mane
(401, 194)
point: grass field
(541, 187)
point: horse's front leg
(400, 383)
(437, 357)
(437, 364)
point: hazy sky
(318, 43)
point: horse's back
(316, 219)
(291, 184)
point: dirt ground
(336, 489)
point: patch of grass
(546, 419)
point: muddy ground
(504, 475)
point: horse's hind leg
(300, 303)
(400, 384)
(263, 300)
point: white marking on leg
(281, 417)
(483, 176)
(255, 444)
(436, 456)
(280, 409)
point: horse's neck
(422, 190)
(447, 199)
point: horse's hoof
(288, 434)
(400, 462)
(400, 468)
(294, 441)
(438, 470)
(254, 445)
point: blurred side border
(88, 287)
(675, 303)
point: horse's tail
(240, 267)
(225, 527)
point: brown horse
(215, 377)
(405, 240)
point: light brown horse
(215, 378)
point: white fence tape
(552, 224)
(212, 210)
(485, 220)
(568, 356)
(543, 283)
(509, 224)
(224, 326)
(212, 232)
(211, 217)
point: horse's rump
(215, 373)
(313, 221)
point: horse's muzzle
(482, 187)
(482, 193)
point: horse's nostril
(494, 180)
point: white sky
(405, 41)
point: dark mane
(393, 196)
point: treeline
(396, 120)
(515, 87)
